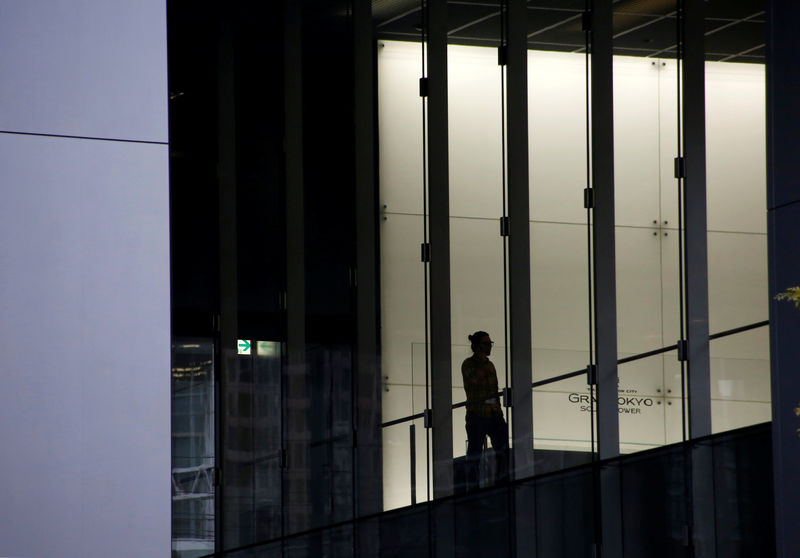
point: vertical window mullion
(519, 267)
(439, 219)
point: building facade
(329, 197)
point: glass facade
(649, 229)
(643, 311)
(193, 455)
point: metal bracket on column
(586, 21)
(591, 374)
(682, 350)
(504, 224)
(426, 418)
(506, 397)
(680, 167)
(425, 249)
(423, 87)
(588, 198)
(502, 55)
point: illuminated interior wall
(84, 277)
(647, 294)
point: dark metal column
(439, 224)
(296, 494)
(783, 203)
(367, 398)
(227, 320)
(696, 277)
(602, 121)
(519, 276)
(519, 242)
(694, 208)
(604, 259)
(519, 271)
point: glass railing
(740, 379)
(652, 407)
(561, 512)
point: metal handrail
(569, 375)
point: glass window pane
(649, 412)
(735, 101)
(740, 380)
(562, 419)
(402, 286)
(557, 110)
(193, 450)
(477, 251)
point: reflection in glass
(564, 521)
(654, 506)
(253, 446)
(192, 448)
(267, 424)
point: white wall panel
(85, 405)
(636, 141)
(557, 136)
(740, 379)
(476, 279)
(639, 323)
(668, 139)
(559, 286)
(84, 67)
(400, 126)
(397, 465)
(402, 300)
(561, 419)
(641, 403)
(397, 401)
(474, 105)
(736, 147)
(753, 344)
(548, 363)
(737, 280)
(670, 286)
(727, 415)
(672, 419)
(737, 242)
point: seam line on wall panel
(92, 138)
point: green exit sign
(244, 346)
